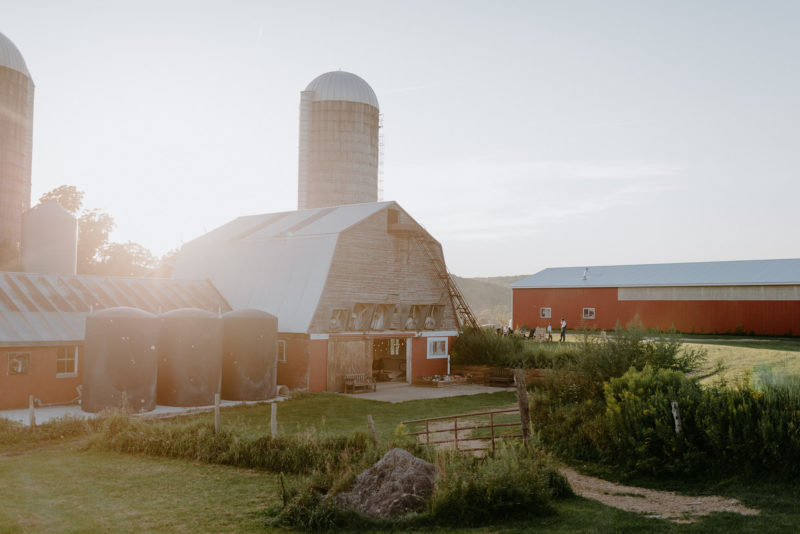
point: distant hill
(489, 298)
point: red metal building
(753, 296)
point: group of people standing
(563, 331)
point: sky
(522, 135)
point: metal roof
(11, 58)
(275, 262)
(340, 85)
(715, 273)
(47, 308)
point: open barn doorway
(389, 359)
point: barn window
(545, 313)
(339, 319)
(361, 318)
(437, 347)
(67, 362)
(588, 313)
(382, 317)
(18, 363)
(394, 347)
(281, 351)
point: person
(549, 332)
(563, 329)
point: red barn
(752, 296)
(357, 289)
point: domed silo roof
(340, 85)
(11, 58)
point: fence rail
(455, 429)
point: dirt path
(652, 503)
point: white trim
(441, 333)
(278, 351)
(437, 340)
(75, 359)
(592, 313)
(318, 336)
(756, 293)
(409, 360)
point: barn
(42, 326)
(357, 289)
(751, 296)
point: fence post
(427, 434)
(491, 427)
(522, 398)
(371, 424)
(273, 419)
(216, 413)
(676, 414)
(455, 426)
(31, 412)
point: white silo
(339, 122)
(49, 240)
(16, 141)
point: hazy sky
(522, 135)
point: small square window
(437, 347)
(281, 351)
(67, 362)
(18, 363)
(545, 313)
(588, 313)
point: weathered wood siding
(371, 265)
(345, 357)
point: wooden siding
(701, 316)
(345, 357)
(40, 380)
(371, 265)
(421, 365)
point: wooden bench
(499, 376)
(355, 382)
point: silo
(16, 141)
(189, 357)
(339, 121)
(120, 360)
(49, 240)
(249, 355)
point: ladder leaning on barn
(463, 312)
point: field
(65, 486)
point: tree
(126, 259)
(94, 226)
(68, 196)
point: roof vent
(585, 274)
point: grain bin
(49, 240)
(189, 357)
(249, 361)
(121, 359)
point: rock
(397, 484)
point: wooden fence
(455, 429)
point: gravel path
(652, 503)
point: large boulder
(399, 483)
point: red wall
(709, 316)
(293, 373)
(420, 364)
(40, 381)
(318, 365)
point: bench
(499, 376)
(355, 382)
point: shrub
(13, 434)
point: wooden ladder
(463, 312)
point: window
(437, 347)
(18, 363)
(339, 320)
(67, 362)
(394, 347)
(281, 351)
(588, 313)
(545, 313)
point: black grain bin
(121, 359)
(189, 357)
(249, 355)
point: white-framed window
(18, 363)
(67, 362)
(281, 351)
(545, 313)
(394, 347)
(437, 347)
(588, 313)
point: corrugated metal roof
(715, 273)
(41, 308)
(10, 56)
(276, 262)
(340, 85)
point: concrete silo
(339, 121)
(16, 140)
(49, 240)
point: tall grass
(15, 435)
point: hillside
(489, 298)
